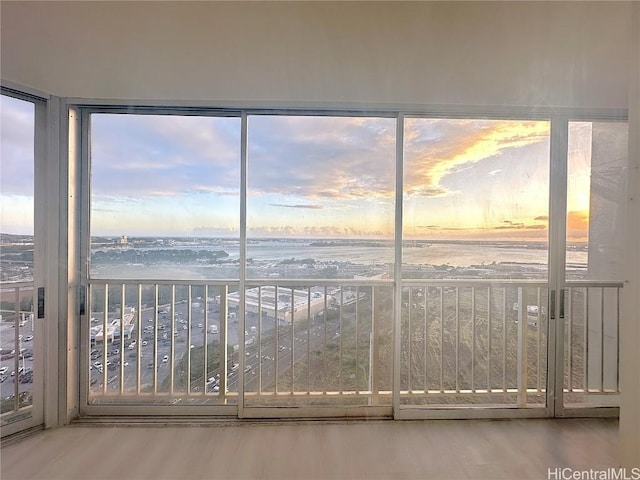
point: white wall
(630, 321)
(360, 53)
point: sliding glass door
(163, 260)
(595, 229)
(475, 269)
(21, 258)
(275, 263)
(320, 259)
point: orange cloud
(436, 148)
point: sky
(311, 177)
(16, 165)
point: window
(176, 314)
(320, 196)
(476, 196)
(164, 196)
(17, 188)
(597, 162)
(17, 243)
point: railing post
(224, 290)
(522, 350)
(374, 348)
(17, 352)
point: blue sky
(320, 177)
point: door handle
(82, 299)
(40, 312)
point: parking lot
(16, 356)
(123, 355)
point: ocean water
(454, 254)
(265, 251)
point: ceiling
(327, 53)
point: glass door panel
(21, 335)
(164, 260)
(475, 263)
(320, 250)
(597, 160)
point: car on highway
(3, 370)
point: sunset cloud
(436, 148)
(320, 231)
(522, 230)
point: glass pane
(164, 196)
(16, 188)
(476, 202)
(16, 252)
(476, 196)
(320, 206)
(164, 205)
(596, 190)
(320, 197)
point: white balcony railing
(591, 342)
(330, 342)
(16, 354)
(474, 342)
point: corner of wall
(630, 324)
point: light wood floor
(503, 449)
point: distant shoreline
(9, 238)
